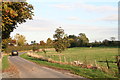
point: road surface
(29, 69)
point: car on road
(14, 53)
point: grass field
(87, 56)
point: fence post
(54, 57)
(118, 63)
(96, 63)
(107, 64)
(65, 59)
(60, 58)
(85, 60)
(70, 61)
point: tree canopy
(61, 41)
(14, 13)
(20, 40)
(49, 42)
(78, 41)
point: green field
(88, 56)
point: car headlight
(15, 52)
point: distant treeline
(97, 44)
(83, 41)
(68, 41)
(105, 43)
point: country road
(29, 69)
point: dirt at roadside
(11, 72)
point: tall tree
(105, 42)
(14, 13)
(112, 38)
(83, 39)
(59, 33)
(61, 41)
(73, 41)
(20, 40)
(77, 41)
(49, 42)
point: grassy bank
(88, 73)
(5, 63)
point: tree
(105, 42)
(5, 42)
(83, 40)
(42, 43)
(49, 42)
(77, 41)
(33, 42)
(61, 41)
(73, 41)
(20, 40)
(14, 13)
(96, 43)
(112, 38)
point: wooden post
(107, 64)
(60, 58)
(70, 60)
(65, 59)
(96, 63)
(54, 57)
(118, 63)
(85, 62)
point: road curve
(29, 69)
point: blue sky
(96, 18)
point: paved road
(29, 69)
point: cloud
(92, 32)
(110, 18)
(95, 8)
(72, 18)
(63, 6)
(86, 6)
(89, 27)
(47, 1)
(35, 30)
(38, 24)
(30, 28)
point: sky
(98, 19)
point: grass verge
(5, 63)
(88, 73)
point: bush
(35, 48)
(20, 48)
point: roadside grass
(88, 73)
(5, 62)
